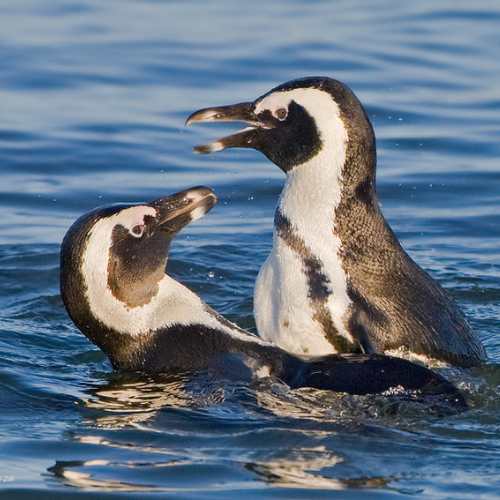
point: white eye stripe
(316, 102)
(134, 217)
(274, 102)
(137, 231)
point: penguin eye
(138, 230)
(281, 114)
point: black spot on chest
(318, 284)
(317, 281)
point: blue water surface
(93, 97)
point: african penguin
(337, 278)
(116, 290)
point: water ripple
(94, 95)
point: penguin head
(293, 123)
(116, 256)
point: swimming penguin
(337, 278)
(116, 290)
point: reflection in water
(93, 99)
(350, 409)
(249, 412)
(296, 469)
(300, 469)
(65, 471)
(136, 426)
(127, 400)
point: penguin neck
(169, 302)
(326, 190)
(173, 304)
(313, 221)
(124, 333)
(313, 189)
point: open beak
(242, 112)
(179, 209)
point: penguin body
(337, 279)
(116, 291)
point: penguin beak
(179, 209)
(241, 112)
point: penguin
(116, 290)
(337, 279)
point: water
(93, 97)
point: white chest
(285, 310)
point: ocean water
(93, 97)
